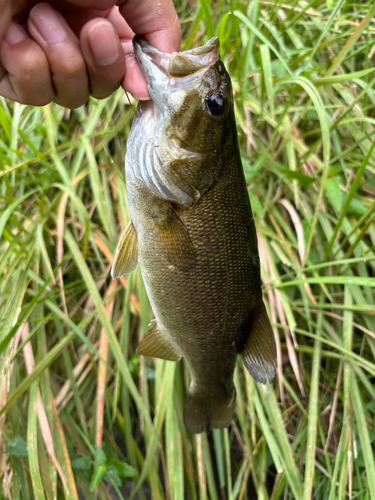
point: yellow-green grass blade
(32, 443)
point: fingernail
(14, 34)
(48, 23)
(103, 44)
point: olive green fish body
(193, 234)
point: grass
(82, 414)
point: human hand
(64, 51)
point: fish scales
(192, 226)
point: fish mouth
(163, 72)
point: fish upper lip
(138, 40)
(143, 50)
(191, 60)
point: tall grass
(82, 415)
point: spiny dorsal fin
(157, 345)
(126, 256)
(259, 352)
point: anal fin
(126, 256)
(157, 345)
(259, 353)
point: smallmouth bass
(192, 231)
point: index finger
(157, 22)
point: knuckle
(33, 85)
(70, 67)
(32, 65)
(29, 73)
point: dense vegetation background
(82, 414)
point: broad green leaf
(16, 447)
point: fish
(192, 231)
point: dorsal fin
(259, 352)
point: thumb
(157, 22)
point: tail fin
(204, 413)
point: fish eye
(216, 103)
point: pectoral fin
(157, 345)
(176, 243)
(126, 256)
(259, 352)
